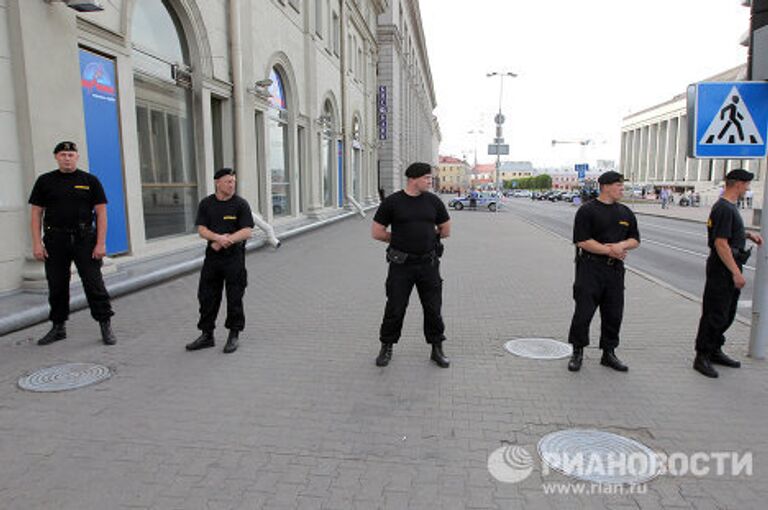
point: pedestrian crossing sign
(730, 119)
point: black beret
(416, 170)
(739, 174)
(65, 146)
(221, 173)
(610, 177)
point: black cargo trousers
(721, 298)
(425, 275)
(65, 246)
(220, 270)
(599, 284)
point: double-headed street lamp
(498, 147)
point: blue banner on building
(102, 131)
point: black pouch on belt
(396, 256)
(741, 256)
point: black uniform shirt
(605, 223)
(224, 217)
(68, 198)
(725, 222)
(413, 220)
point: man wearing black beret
(71, 208)
(604, 231)
(727, 241)
(418, 220)
(224, 219)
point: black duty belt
(399, 257)
(603, 259)
(61, 230)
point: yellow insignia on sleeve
(80, 186)
(624, 223)
(709, 222)
(230, 217)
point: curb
(640, 273)
(689, 220)
(37, 314)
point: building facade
(160, 93)
(510, 170)
(407, 128)
(654, 150)
(451, 175)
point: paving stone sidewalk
(300, 417)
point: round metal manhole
(599, 457)
(65, 377)
(539, 348)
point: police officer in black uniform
(603, 231)
(419, 219)
(224, 219)
(727, 242)
(66, 203)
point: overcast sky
(582, 65)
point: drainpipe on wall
(343, 67)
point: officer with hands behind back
(66, 203)
(418, 220)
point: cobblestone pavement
(300, 417)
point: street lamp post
(498, 142)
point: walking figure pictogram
(734, 118)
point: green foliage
(539, 182)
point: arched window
(277, 127)
(327, 154)
(164, 120)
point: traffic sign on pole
(730, 120)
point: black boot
(574, 364)
(107, 336)
(204, 341)
(610, 360)
(58, 332)
(438, 357)
(232, 341)
(720, 358)
(703, 366)
(385, 355)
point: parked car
(556, 196)
(484, 201)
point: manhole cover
(599, 457)
(64, 377)
(538, 348)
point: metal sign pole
(758, 71)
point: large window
(278, 147)
(165, 128)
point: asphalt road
(673, 251)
